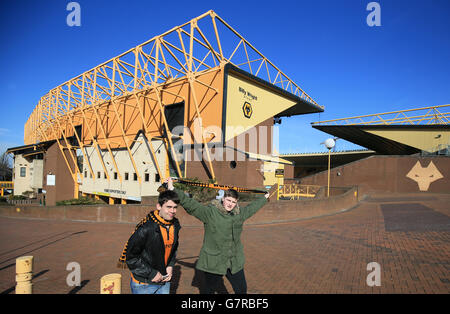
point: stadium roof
(321, 158)
(402, 132)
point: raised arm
(191, 206)
(254, 206)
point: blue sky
(325, 46)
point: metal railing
(5, 185)
(296, 191)
(30, 201)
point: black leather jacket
(145, 251)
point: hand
(266, 195)
(158, 277)
(169, 271)
(169, 182)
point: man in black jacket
(151, 249)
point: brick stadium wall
(55, 164)
(273, 212)
(385, 174)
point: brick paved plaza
(408, 236)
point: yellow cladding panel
(426, 140)
(249, 104)
(269, 173)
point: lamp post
(329, 143)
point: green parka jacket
(222, 248)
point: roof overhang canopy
(391, 139)
(321, 159)
(32, 149)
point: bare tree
(5, 167)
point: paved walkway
(407, 235)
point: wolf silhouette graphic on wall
(424, 176)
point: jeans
(137, 288)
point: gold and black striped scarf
(151, 216)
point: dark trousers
(237, 281)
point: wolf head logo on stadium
(424, 176)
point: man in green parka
(222, 252)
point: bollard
(111, 284)
(24, 274)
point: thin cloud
(4, 131)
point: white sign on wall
(50, 179)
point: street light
(329, 143)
